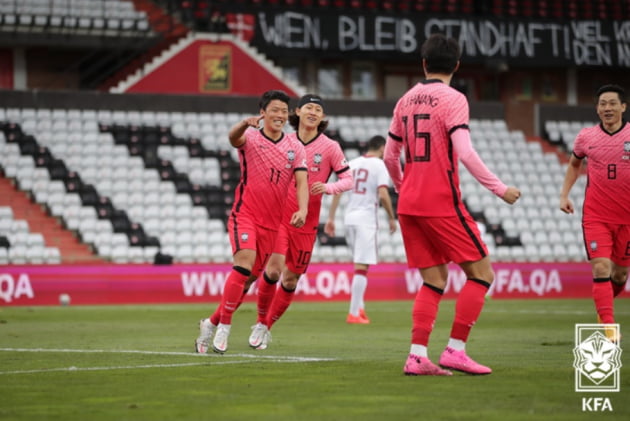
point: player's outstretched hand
(298, 219)
(511, 195)
(253, 121)
(566, 205)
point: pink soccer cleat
(422, 366)
(458, 360)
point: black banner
(373, 36)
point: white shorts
(363, 244)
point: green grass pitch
(137, 363)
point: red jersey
(267, 168)
(607, 197)
(323, 157)
(423, 121)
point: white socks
(359, 285)
(457, 344)
(419, 350)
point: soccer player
(270, 162)
(606, 211)
(371, 182)
(430, 122)
(294, 245)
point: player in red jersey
(271, 162)
(294, 246)
(606, 212)
(430, 123)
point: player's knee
(489, 277)
(273, 273)
(290, 280)
(601, 269)
(620, 275)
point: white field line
(211, 359)
(591, 313)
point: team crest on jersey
(593, 245)
(244, 237)
(290, 158)
(626, 146)
(317, 159)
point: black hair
(612, 88)
(441, 54)
(375, 142)
(269, 96)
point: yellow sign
(215, 68)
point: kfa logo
(596, 404)
(597, 358)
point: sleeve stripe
(460, 126)
(342, 170)
(395, 137)
(578, 156)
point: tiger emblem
(597, 357)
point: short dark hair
(441, 54)
(612, 88)
(375, 142)
(269, 96)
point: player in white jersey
(371, 183)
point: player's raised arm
(237, 131)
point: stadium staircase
(71, 249)
(168, 28)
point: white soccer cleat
(257, 336)
(220, 342)
(206, 331)
(265, 341)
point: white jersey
(369, 174)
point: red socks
(617, 288)
(216, 316)
(233, 293)
(469, 304)
(603, 296)
(425, 308)
(266, 290)
(281, 301)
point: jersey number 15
(418, 148)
